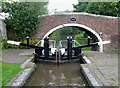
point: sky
(61, 5)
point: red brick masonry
(106, 24)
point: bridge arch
(76, 25)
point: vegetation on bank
(102, 8)
(82, 41)
(24, 18)
(9, 70)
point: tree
(0, 6)
(102, 8)
(118, 6)
(93, 7)
(80, 7)
(23, 18)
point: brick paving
(104, 66)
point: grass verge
(9, 70)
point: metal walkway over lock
(60, 55)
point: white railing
(74, 42)
(53, 43)
(49, 41)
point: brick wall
(105, 24)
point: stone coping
(81, 13)
(24, 64)
(20, 79)
(92, 80)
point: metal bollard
(69, 46)
(88, 40)
(46, 48)
(27, 40)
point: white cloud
(61, 5)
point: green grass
(9, 70)
(84, 42)
(86, 48)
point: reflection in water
(53, 77)
(66, 74)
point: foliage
(80, 7)
(76, 32)
(65, 31)
(82, 41)
(69, 30)
(23, 18)
(9, 70)
(5, 45)
(80, 35)
(102, 8)
(40, 7)
(118, 6)
(0, 10)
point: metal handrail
(54, 42)
(49, 40)
(66, 41)
(38, 42)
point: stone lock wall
(106, 24)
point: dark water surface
(49, 74)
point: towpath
(16, 55)
(105, 66)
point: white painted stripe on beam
(13, 42)
(103, 42)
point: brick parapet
(108, 25)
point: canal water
(50, 74)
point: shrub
(23, 18)
(82, 42)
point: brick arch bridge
(91, 23)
